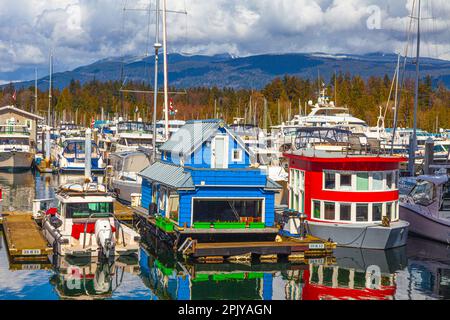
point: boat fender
(55, 222)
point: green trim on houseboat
(202, 225)
(230, 225)
(257, 225)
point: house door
(220, 154)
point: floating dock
(24, 239)
(290, 249)
(123, 213)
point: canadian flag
(14, 96)
(92, 123)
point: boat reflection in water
(351, 274)
(357, 275)
(428, 272)
(86, 279)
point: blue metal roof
(191, 136)
(169, 175)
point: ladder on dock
(24, 239)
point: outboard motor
(102, 280)
(105, 238)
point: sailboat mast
(49, 119)
(166, 86)
(35, 91)
(396, 104)
(413, 145)
(155, 89)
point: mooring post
(88, 154)
(429, 155)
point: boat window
(330, 211)
(362, 212)
(229, 210)
(85, 210)
(389, 180)
(330, 180)
(423, 193)
(377, 181)
(346, 181)
(15, 141)
(362, 181)
(346, 212)
(316, 209)
(377, 212)
(446, 198)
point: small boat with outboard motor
(83, 224)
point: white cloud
(82, 31)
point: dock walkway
(24, 239)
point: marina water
(419, 271)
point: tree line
(277, 102)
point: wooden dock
(24, 239)
(123, 213)
(291, 249)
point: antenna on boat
(413, 145)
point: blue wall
(201, 158)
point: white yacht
(16, 151)
(427, 207)
(83, 224)
(133, 135)
(125, 167)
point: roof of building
(331, 156)
(26, 113)
(169, 175)
(192, 135)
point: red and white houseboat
(349, 198)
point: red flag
(92, 123)
(14, 96)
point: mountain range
(243, 72)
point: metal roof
(272, 185)
(189, 137)
(17, 110)
(169, 175)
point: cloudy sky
(83, 31)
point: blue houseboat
(205, 188)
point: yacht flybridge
(83, 224)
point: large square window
(346, 212)
(346, 181)
(330, 211)
(330, 180)
(377, 212)
(362, 181)
(316, 209)
(362, 212)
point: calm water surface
(419, 271)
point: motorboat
(16, 150)
(83, 224)
(125, 167)
(427, 207)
